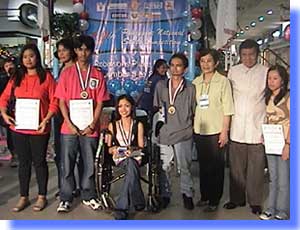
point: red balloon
(77, 1)
(287, 32)
(197, 12)
(84, 15)
(46, 38)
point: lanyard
(83, 84)
(125, 138)
(179, 87)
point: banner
(131, 35)
(43, 17)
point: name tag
(203, 101)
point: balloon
(196, 12)
(129, 85)
(140, 84)
(83, 24)
(197, 22)
(120, 92)
(78, 7)
(77, 1)
(135, 94)
(185, 13)
(84, 15)
(114, 85)
(196, 34)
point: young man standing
(81, 91)
(177, 97)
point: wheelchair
(106, 173)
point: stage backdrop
(131, 35)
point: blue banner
(131, 35)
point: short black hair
(181, 56)
(249, 44)
(84, 40)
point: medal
(83, 94)
(171, 110)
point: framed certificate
(273, 138)
(81, 113)
(27, 113)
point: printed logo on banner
(117, 6)
(100, 7)
(153, 5)
(169, 5)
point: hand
(73, 129)
(285, 152)
(8, 119)
(223, 139)
(42, 126)
(87, 131)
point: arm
(91, 127)
(223, 137)
(4, 100)
(65, 114)
(286, 149)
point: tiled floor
(9, 195)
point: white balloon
(78, 7)
(197, 22)
(83, 24)
(196, 34)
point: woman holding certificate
(278, 113)
(32, 91)
(127, 137)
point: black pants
(32, 149)
(212, 163)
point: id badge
(203, 101)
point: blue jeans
(183, 151)
(70, 146)
(279, 186)
(131, 191)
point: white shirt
(248, 86)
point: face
(64, 54)
(124, 108)
(29, 59)
(8, 66)
(162, 69)
(207, 64)
(177, 68)
(83, 53)
(249, 57)
(274, 80)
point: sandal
(40, 204)
(22, 204)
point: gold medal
(171, 109)
(84, 94)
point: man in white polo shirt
(246, 151)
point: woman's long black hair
(284, 86)
(22, 70)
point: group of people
(211, 111)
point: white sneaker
(64, 206)
(266, 216)
(92, 203)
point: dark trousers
(31, 149)
(211, 163)
(246, 163)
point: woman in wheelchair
(125, 142)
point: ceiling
(250, 10)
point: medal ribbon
(179, 87)
(83, 84)
(126, 139)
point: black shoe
(164, 202)
(76, 193)
(188, 202)
(256, 209)
(139, 207)
(121, 215)
(231, 205)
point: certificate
(274, 138)
(81, 113)
(27, 114)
